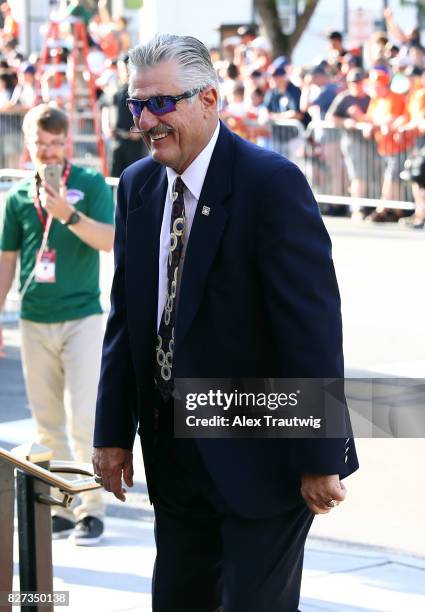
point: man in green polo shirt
(57, 236)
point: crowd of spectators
(24, 81)
(375, 96)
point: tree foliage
(282, 43)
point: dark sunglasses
(158, 105)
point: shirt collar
(194, 175)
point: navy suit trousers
(208, 558)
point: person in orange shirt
(10, 30)
(416, 110)
(385, 120)
(104, 31)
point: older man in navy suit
(223, 269)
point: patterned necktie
(165, 338)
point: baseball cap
(318, 71)
(356, 75)
(278, 66)
(26, 68)
(256, 74)
(335, 35)
(352, 60)
(247, 31)
(278, 72)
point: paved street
(378, 271)
(368, 554)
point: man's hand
(112, 464)
(55, 203)
(2, 353)
(320, 489)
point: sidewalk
(338, 576)
(116, 575)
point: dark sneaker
(412, 221)
(88, 531)
(61, 527)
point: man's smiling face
(175, 138)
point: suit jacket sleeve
(116, 409)
(302, 301)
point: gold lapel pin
(206, 210)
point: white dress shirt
(193, 177)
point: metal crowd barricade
(12, 139)
(324, 152)
(288, 139)
(326, 148)
(323, 161)
(34, 478)
(8, 178)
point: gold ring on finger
(331, 503)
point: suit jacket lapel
(206, 232)
(143, 233)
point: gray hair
(191, 55)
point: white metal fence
(324, 153)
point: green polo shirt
(76, 293)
